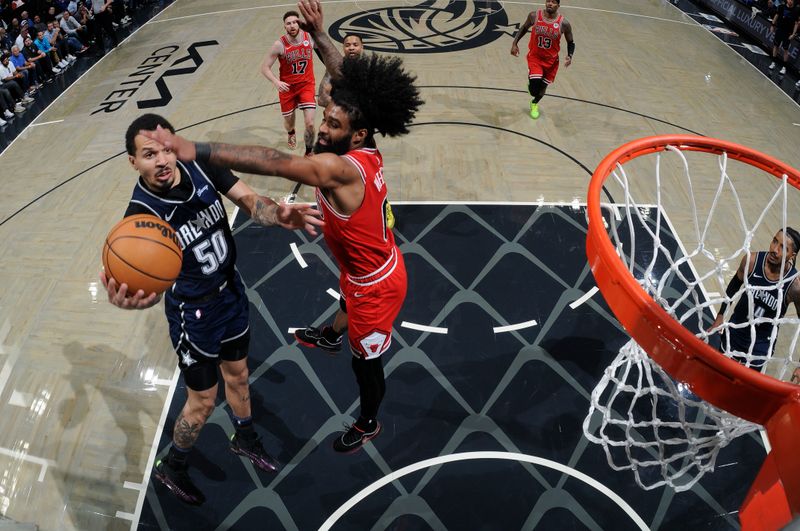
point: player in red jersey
(369, 95)
(548, 27)
(295, 84)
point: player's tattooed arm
(264, 211)
(312, 23)
(251, 159)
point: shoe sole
(177, 491)
(314, 345)
(364, 440)
(242, 453)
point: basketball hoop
(735, 397)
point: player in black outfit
(785, 24)
(767, 283)
(207, 308)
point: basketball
(142, 251)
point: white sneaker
(797, 85)
(18, 108)
(8, 114)
(2, 122)
(71, 58)
(783, 70)
(63, 64)
(772, 65)
(27, 99)
(56, 70)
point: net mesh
(646, 421)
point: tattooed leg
(196, 411)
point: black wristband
(570, 48)
(202, 151)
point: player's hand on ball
(118, 295)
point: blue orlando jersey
(201, 225)
(765, 304)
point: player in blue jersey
(773, 281)
(207, 308)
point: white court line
(424, 328)
(397, 474)
(30, 125)
(586, 296)
(20, 399)
(47, 123)
(239, 10)
(723, 43)
(297, 255)
(333, 293)
(511, 328)
(161, 381)
(16, 454)
(133, 486)
(126, 516)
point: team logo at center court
(434, 26)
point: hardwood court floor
(83, 385)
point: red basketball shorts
(537, 70)
(372, 306)
(301, 96)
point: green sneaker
(534, 110)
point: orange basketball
(142, 251)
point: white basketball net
(646, 421)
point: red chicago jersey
(297, 62)
(361, 242)
(545, 39)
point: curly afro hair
(377, 94)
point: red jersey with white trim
(297, 61)
(361, 242)
(545, 40)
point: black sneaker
(354, 438)
(254, 452)
(178, 481)
(314, 337)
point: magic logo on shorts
(434, 26)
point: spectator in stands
(785, 24)
(45, 68)
(65, 46)
(72, 28)
(20, 39)
(38, 24)
(103, 23)
(26, 68)
(44, 45)
(13, 80)
(5, 41)
(8, 106)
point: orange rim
(717, 379)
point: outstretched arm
(522, 31)
(312, 23)
(267, 212)
(324, 170)
(733, 287)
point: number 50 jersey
(195, 211)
